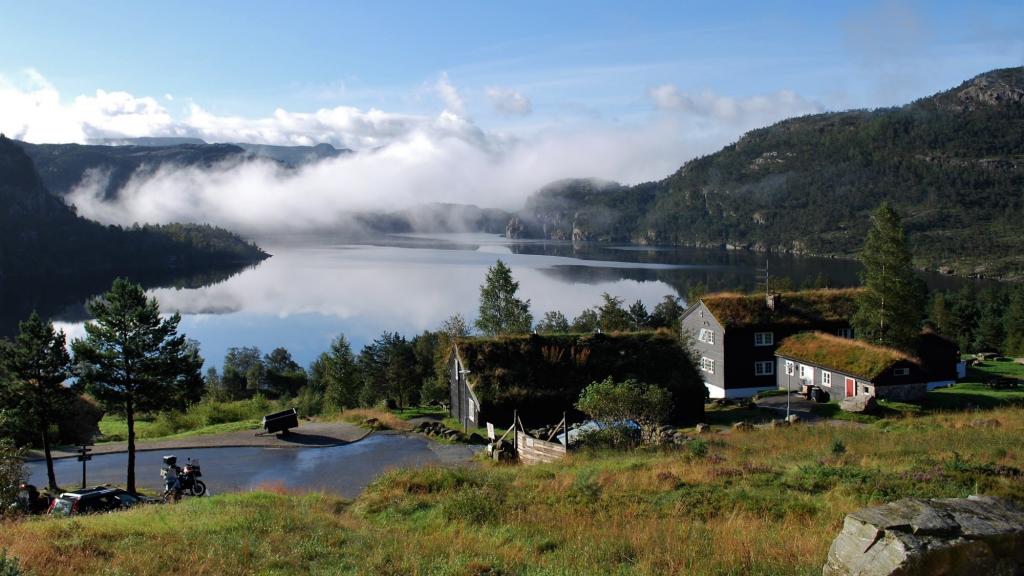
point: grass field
(206, 417)
(767, 502)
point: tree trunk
(51, 477)
(129, 413)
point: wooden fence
(532, 450)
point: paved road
(344, 469)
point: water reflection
(314, 289)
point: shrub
(838, 447)
(9, 565)
(615, 403)
(698, 448)
(12, 473)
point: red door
(850, 387)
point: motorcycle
(184, 480)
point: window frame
(707, 364)
(764, 368)
(707, 336)
(763, 339)
(826, 378)
(904, 371)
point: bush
(614, 403)
(838, 447)
(12, 474)
(9, 565)
(698, 448)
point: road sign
(490, 431)
(85, 457)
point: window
(764, 368)
(845, 332)
(471, 412)
(901, 371)
(764, 338)
(707, 336)
(806, 372)
(707, 365)
(826, 378)
(790, 367)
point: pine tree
(638, 315)
(39, 363)
(1014, 323)
(501, 312)
(131, 359)
(890, 310)
(614, 317)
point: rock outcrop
(947, 536)
(861, 403)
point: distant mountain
(62, 166)
(952, 164)
(295, 156)
(39, 234)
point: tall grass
(765, 503)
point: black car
(92, 500)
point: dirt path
(307, 435)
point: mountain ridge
(952, 163)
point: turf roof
(844, 355)
(803, 307)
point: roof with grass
(534, 372)
(733, 309)
(845, 355)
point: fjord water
(313, 289)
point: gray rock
(948, 536)
(793, 418)
(861, 403)
(703, 428)
(742, 426)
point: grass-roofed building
(736, 335)
(844, 368)
(542, 376)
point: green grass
(643, 512)
(420, 412)
(206, 417)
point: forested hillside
(952, 164)
(39, 234)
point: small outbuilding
(541, 377)
(844, 368)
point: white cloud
(450, 95)
(757, 109)
(509, 102)
(404, 159)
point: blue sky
(571, 59)
(479, 102)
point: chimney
(772, 299)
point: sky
(463, 95)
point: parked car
(93, 500)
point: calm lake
(313, 289)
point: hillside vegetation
(952, 163)
(39, 234)
(764, 503)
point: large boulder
(947, 536)
(861, 403)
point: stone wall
(949, 536)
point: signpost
(83, 457)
